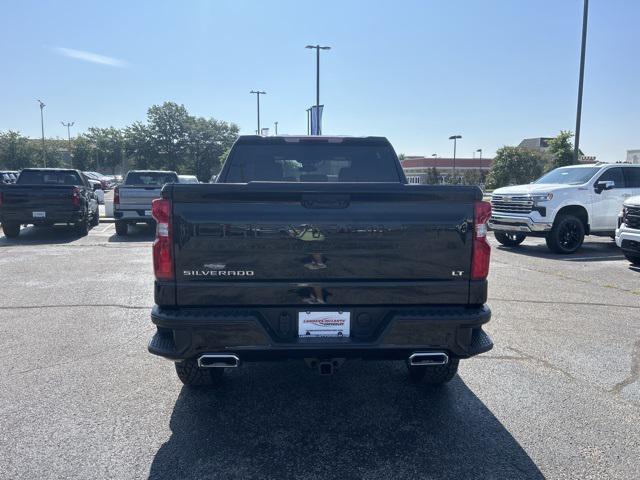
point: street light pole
(44, 155)
(455, 144)
(318, 48)
(480, 150)
(276, 124)
(585, 14)
(258, 93)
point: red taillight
(75, 197)
(116, 196)
(162, 251)
(481, 249)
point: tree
(514, 166)
(175, 140)
(433, 177)
(560, 152)
(82, 154)
(107, 148)
(208, 141)
(170, 139)
(17, 151)
(169, 125)
(139, 147)
(472, 177)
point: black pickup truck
(45, 196)
(316, 248)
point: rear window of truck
(312, 163)
(42, 177)
(150, 178)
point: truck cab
(564, 205)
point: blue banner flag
(316, 120)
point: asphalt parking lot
(80, 397)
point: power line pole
(318, 48)
(68, 125)
(585, 14)
(44, 155)
(258, 93)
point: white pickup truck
(132, 200)
(564, 205)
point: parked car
(7, 177)
(132, 199)
(318, 249)
(106, 182)
(628, 232)
(564, 205)
(97, 189)
(45, 196)
(188, 179)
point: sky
(493, 71)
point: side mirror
(604, 185)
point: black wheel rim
(569, 235)
(514, 237)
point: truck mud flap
(480, 342)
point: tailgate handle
(325, 201)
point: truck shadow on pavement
(282, 420)
(32, 235)
(136, 233)
(599, 251)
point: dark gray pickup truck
(46, 196)
(316, 248)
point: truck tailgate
(138, 196)
(292, 243)
(36, 197)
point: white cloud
(90, 57)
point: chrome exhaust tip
(218, 360)
(428, 359)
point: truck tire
(11, 230)
(566, 236)
(82, 226)
(634, 259)
(190, 374)
(434, 375)
(95, 220)
(510, 239)
(122, 228)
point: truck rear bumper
(513, 223)
(51, 216)
(252, 335)
(133, 215)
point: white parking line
(106, 228)
(610, 257)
